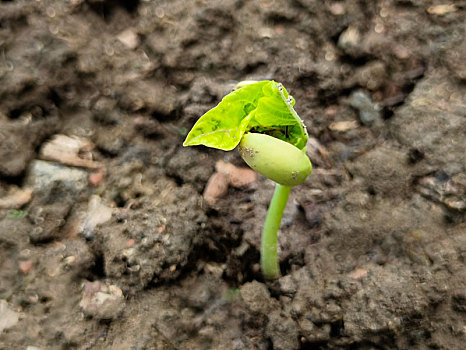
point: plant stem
(269, 255)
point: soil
(122, 251)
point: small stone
(368, 112)
(97, 214)
(43, 176)
(237, 176)
(357, 274)
(337, 9)
(69, 150)
(442, 9)
(129, 38)
(102, 301)
(349, 40)
(96, 178)
(26, 266)
(343, 126)
(8, 317)
(216, 188)
(16, 198)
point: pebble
(26, 266)
(97, 213)
(96, 178)
(358, 273)
(349, 41)
(343, 126)
(102, 301)
(129, 38)
(16, 198)
(216, 188)
(450, 191)
(8, 317)
(368, 112)
(69, 150)
(442, 9)
(237, 176)
(43, 176)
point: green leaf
(264, 107)
(223, 126)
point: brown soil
(127, 254)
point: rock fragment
(69, 150)
(450, 191)
(227, 174)
(441, 9)
(237, 176)
(343, 126)
(97, 214)
(367, 110)
(8, 317)
(216, 188)
(26, 266)
(43, 176)
(350, 40)
(16, 198)
(102, 301)
(129, 38)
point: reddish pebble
(357, 274)
(95, 179)
(26, 266)
(242, 177)
(130, 243)
(217, 187)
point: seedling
(259, 118)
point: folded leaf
(263, 107)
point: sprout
(259, 118)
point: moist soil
(119, 250)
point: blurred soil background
(114, 236)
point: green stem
(269, 255)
